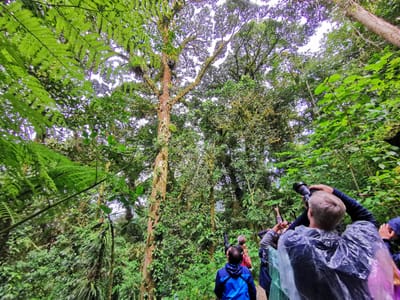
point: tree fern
(21, 92)
(96, 261)
(6, 212)
(38, 48)
(38, 42)
(31, 169)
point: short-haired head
(241, 239)
(327, 210)
(235, 255)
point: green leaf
(334, 78)
(321, 88)
(139, 190)
(172, 127)
(107, 210)
(111, 140)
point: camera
(302, 189)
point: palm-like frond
(31, 169)
(6, 212)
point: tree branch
(151, 84)
(201, 73)
(145, 75)
(375, 24)
(187, 41)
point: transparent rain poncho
(317, 264)
(276, 292)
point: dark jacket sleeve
(252, 289)
(219, 287)
(301, 220)
(395, 256)
(354, 209)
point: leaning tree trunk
(157, 196)
(375, 24)
(160, 174)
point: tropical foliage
(135, 133)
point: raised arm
(354, 209)
(301, 220)
(269, 239)
(272, 235)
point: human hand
(321, 187)
(278, 227)
(386, 232)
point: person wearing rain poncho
(316, 262)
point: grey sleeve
(269, 239)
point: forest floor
(261, 293)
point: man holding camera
(316, 262)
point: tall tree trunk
(160, 171)
(210, 159)
(160, 175)
(157, 196)
(375, 24)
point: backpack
(240, 276)
(246, 260)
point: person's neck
(312, 224)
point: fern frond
(6, 212)
(30, 168)
(23, 96)
(63, 174)
(37, 42)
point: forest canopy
(135, 133)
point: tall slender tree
(177, 50)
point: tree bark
(160, 175)
(375, 24)
(112, 260)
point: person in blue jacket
(390, 233)
(317, 262)
(234, 281)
